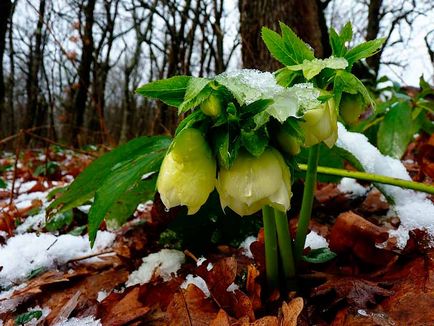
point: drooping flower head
(187, 174)
(253, 182)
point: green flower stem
(306, 205)
(373, 178)
(271, 259)
(285, 246)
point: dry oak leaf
(191, 307)
(218, 279)
(358, 293)
(290, 312)
(351, 233)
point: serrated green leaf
(275, 45)
(364, 50)
(311, 68)
(298, 49)
(347, 82)
(286, 77)
(319, 256)
(197, 91)
(255, 108)
(84, 186)
(255, 141)
(191, 120)
(395, 132)
(28, 316)
(121, 179)
(126, 204)
(170, 91)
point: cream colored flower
(320, 125)
(253, 182)
(187, 174)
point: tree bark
(372, 32)
(5, 10)
(81, 94)
(33, 108)
(300, 15)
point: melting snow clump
(352, 187)
(198, 281)
(315, 241)
(163, 263)
(250, 84)
(413, 208)
(245, 246)
(26, 252)
(200, 261)
(232, 288)
(87, 321)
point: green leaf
(28, 316)
(36, 272)
(275, 45)
(364, 50)
(298, 50)
(191, 120)
(255, 141)
(170, 91)
(337, 41)
(319, 256)
(83, 188)
(198, 90)
(78, 230)
(395, 132)
(255, 108)
(121, 180)
(59, 221)
(311, 68)
(126, 204)
(226, 145)
(3, 184)
(347, 82)
(286, 77)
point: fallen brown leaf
(290, 312)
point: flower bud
(187, 174)
(212, 106)
(287, 143)
(320, 125)
(253, 182)
(351, 107)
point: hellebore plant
(242, 138)
(247, 127)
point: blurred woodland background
(68, 69)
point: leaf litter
(372, 281)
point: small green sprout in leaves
(27, 317)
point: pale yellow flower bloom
(187, 174)
(253, 182)
(320, 125)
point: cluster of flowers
(190, 172)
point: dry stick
(103, 252)
(58, 144)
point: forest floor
(50, 276)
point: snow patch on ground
(198, 281)
(245, 246)
(232, 287)
(26, 252)
(315, 241)
(87, 321)
(102, 295)
(352, 187)
(413, 208)
(163, 263)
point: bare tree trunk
(33, 108)
(301, 15)
(5, 10)
(373, 29)
(81, 94)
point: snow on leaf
(311, 68)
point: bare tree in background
(301, 15)
(5, 11)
